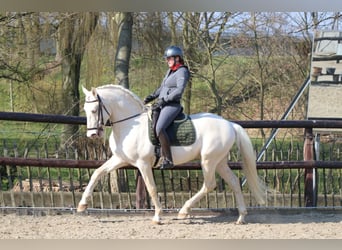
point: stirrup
(167, 164)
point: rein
(125, 119)
(100, 114)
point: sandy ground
(271, 224)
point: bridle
(100, 114)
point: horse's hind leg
(227, 174)
(209, 184)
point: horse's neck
(125, 110)
(122, 104)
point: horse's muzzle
(95, 133)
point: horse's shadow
(203, 218)
(253, 217)
(266, 218)
(195, 220)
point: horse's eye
(94, 111)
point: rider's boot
(155, 116)
(166, 151)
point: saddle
(181, 131)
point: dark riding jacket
(173, 85)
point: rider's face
(171, 61)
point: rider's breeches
(166, 117)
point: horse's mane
(126, 91)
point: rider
(169, 95)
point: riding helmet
(173, 51)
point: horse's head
(96, 112)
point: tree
(75, 30)
(121, 24)
(123, 51)
(23, 61)
(190, 43)
(202, 39)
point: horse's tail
(245, 146)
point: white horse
(130, 144)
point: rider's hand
(161, 103)
(148, 99)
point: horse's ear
(93, 91)
(85, 91)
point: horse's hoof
(182, 216)
(156, 222)
(240, 222)
(81, 208)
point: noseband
(100, 114)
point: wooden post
(140, 193)
(310, 180)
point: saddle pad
(181, 132)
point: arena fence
(293, 176)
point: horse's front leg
(111, 164)
(147, 175)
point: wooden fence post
(310, 173)
(140, 192)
